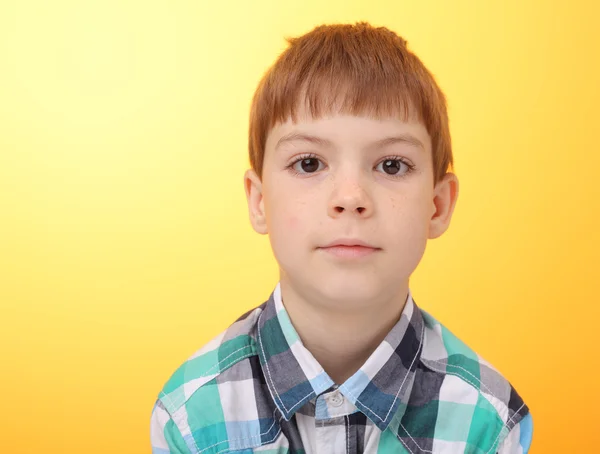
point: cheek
(294, 214)
(290, 237)
(409, 221)
(293, 223)
(297, 223)
(288, 221)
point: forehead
(345, 129)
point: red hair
(351, 69)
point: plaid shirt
(256, 388)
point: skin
(342, 309)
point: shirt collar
(380, 388)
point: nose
(349, 195)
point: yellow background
(124, 237)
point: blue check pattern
(256, 388)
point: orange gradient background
(125, 243)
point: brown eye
(307, 165)
(393, 166)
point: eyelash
(410, 166)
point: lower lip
(349, 252)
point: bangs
(346, 93)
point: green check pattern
(256, 389)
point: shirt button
(336, 399)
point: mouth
(349, 251)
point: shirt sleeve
(165, 436)
(519, 438)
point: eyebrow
(402, 138)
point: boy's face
(353, 179)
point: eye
(393, 166)
(306, 164)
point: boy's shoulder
(467, 390)
(193, 411)
(445, 353)
(220, 355)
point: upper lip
(349, 242)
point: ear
(444, 200)
(254, 195)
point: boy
(349, 149)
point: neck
(341, 341)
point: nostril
(340, 209)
